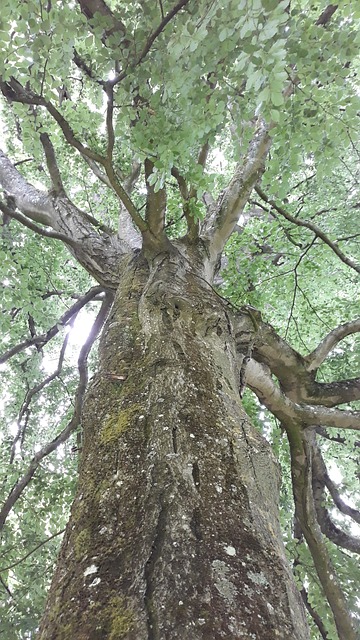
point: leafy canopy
(123, 79)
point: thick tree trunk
(174, 531)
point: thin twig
(38, 546)
(309, 225)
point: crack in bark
(195, 524)
(174, 439)
(155, 554)
(196, 475)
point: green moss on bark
(121, 619)
(116, 425)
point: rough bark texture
(174, 531)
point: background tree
(187, 174)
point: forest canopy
(107, 107)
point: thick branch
(52, 166)
(327, 526)
(260, 382)
(295, 373)
(309, 225)
(326, 15)
(21, 484)
(317, 357)
(91, 7)
(301, 467)
(155, 204)
(322, 477)
(330, 530)
(32, 202)
(331, 394)
(34, 227)
(224, 216)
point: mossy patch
(121, 618)
(116, 425)
(82, 543)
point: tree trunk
(174, 532)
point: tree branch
(314, 614)
(223, 217)
(34, 203)
(301, 468)
(34, 227)
(260, 382)
(81, 64)
(155, 204)
(38, 546)
(35, 390)
(328, 528)
(295, 374)
(192, 224)
(326, 15)
(125, 199)
(109, 121)
(22, 482)
(14, 91)
(314, 359)
(52, 166)
(90, 7)
(97, 172)
(150, 41)
(331, 394)
(44, 338)
(309, 225)
(322, 476)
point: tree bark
(174, 531)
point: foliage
(203, 81)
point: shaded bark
(174, 531)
